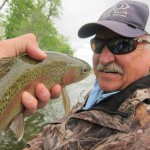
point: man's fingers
(43, 95)
(30, 103)
(29, 45)
(55, 91)
(22, 44)
(33, 49)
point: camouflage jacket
(121, 122)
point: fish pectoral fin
(66, 100)
(17, 126)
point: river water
(52, 111)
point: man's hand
(28, 44)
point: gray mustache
(112, 67)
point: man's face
(132, 66)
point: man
(118, 117)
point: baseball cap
(127, 18)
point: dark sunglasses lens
(97, 45)
(121, 45)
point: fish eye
(84, 70)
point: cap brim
(121, 28)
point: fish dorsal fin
(17, 126)
(6, 64)
(66, 100)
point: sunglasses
(117, 45)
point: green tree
(36, 17)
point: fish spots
(26, 59)
(6, 97)
(5, 100)
(3, 108)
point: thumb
(22, 44)
(29, 45)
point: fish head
(76, 71)
(70, 69)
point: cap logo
(119, 9)
(120, 6)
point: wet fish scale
(23, 73)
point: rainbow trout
(22, 73)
